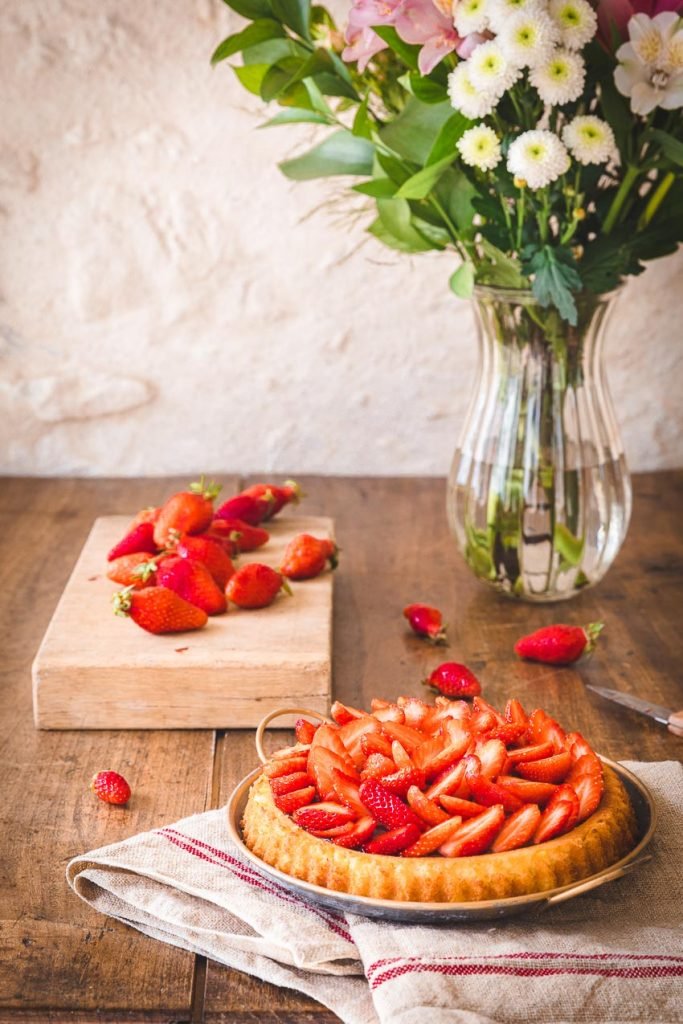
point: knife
(672, 719)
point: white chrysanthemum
(528, 38)
(465, 97)
(537, 157)
(560, 79)
(576, 20)
(491, 69)
(500, 11)
(590, 140)
(470, 16)
(480, 147)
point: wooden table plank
(56, 953)
(395, 549)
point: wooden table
(61, 961)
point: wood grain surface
(59, 960)
(95, 671)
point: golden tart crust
(606, 836)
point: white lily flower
(650, 70)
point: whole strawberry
(111, 787)
(306, 556)
(193, 582)
(150, 514)
(136, 570)
(454, 680)
(159, 610)
(210, 552)
(247, 507)
(188, 511)
(276, 496)
(559, 644)
(139, 539)
(255, 586)
(238, 535)
(426, 621)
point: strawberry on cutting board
(159, 610)
(188, 511)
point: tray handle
(267, 719)
(593, 883)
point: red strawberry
(588, 789)
(515, 713)
(249, 509)
(375, 743)
(433, 838)
(377, 766)
(110, 787)
(290, 802)
(306, 556)
(527, 791)
(394, 841)
(560, 815)
(136, 570)
(476, 835)
(426, 809)
(532, 753)
(384, 806)
(146, 515)
(240, 536)
(347, 791)
(487, 793)
(188, 511)
(559, 644)
(426, 621)
(277, 495)
(453, 680)
(400, 781)
(401, 755)
(255, 585)
(452, 780)
(286, 765)
(361, 832)
(491, 754)
(140, 538)
(193, 581)
(390, 713)
(304, 730)
(323, 815)
(343, 713)
(210, 553)
(159, 610)
(518, 829)
(547, 769)
(287, 783)
(463, 808)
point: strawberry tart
(444, 802)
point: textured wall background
(169, 302)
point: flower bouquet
(540, 142)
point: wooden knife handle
(675, 723)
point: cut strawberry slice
(518, 829)
(480, 705)
(491, 754)
(426, 809)
(552, 731)
(452, 780)
(304, 730)
(415, 711)
(559, 816)
(360, 833)
(347, 791)
(376, 743)
(286, 752)
(535, 726)
(532, 753)
(290, 802)
(515, 713)
(391, 713)
(384, 806)
(287, 783)
(588, 789)
(463, 808)
(399, 782)
(408, 737)
(431, 840)
(334, 833)
(343, 713)
(476, 835)
(394, 841)
(488, 794)
(401, 755)
(287, 766)
(527, 791)
(577, 745)
(424, 755)
(377, 766)
(587, 764)
(482, 722)
(322, 763)
(322, 816)
(351, 735)
(508, 733)
(548, 769)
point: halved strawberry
(334, 833)
(488, 794)
(552, 731)
(559, 816)
(441, 756)
(482, 722)
(527, 791)
(376, 743)
(322, 816)
(352, 732)
(535, 726)
(508, 733)
(392, 713)
(399, 782)
(290, 802)
(577, 745)
(322, 764)
(286, 783)
(463, 808)
(452, 780)
(361, 832)
(483, 706)
(491, 754)
(548, 769)
(287, 766)
(426, 809)
(304, 730)
(587, 764)
(415, 711)
(347, 791)
(588, 789)
(515, 713)
(377, 766)
(394, 841)
(343, 713)
(518, 829)
(401, 755)
(476, 835)
(384, 806)
(410, 738)
(532, 753)
(433, 838)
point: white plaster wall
(169, 302)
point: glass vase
(539, 495)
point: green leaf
(279, 77)
(340, 153)
(421, 184)
(378, 188)
(456, 193)
(251, 76)
(425, 89)
(396, 218)
(554, 280)
(362, 125)
(272, 50)
(296, 14)
(670, 145)
(296, 115)
(250, 9)
(257, 32)
(462, 281)
(406, 51)
(414, 132)
(449, 133)
(502, 270)
(404, 244)
(332, 85)
(394, 168)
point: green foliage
(554, 278)
(340, 153)
(462, 281)
(252, 9)
(296, 14)
(258, 32)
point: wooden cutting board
(96, 670)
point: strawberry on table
(136, 570)
(238, 535)
(210, 553)
(192, 581)
(453, 680)
(277, 495)
(559, 644)
(255, 586)
(188, 511)
(159, 610)
(150, 514)
(111, 787)
(246, 507)
(306, 557)
(426, 622)
(139, 539)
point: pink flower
(614, 16)
(363, 43)
(421, 22)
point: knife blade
(672, 719)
